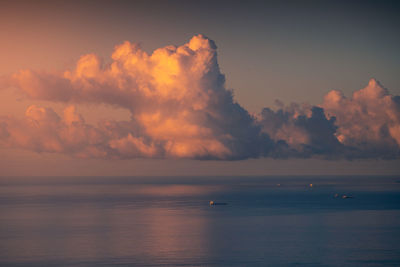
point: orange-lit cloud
(368, 122)
(178, 102)
(365, 125)
(180, 108)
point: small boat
(344, 196)
(213, 203)
(347, 196)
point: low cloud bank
(180, 108)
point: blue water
(166, 221)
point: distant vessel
(347, 196)
(212, 203)
(342, 196)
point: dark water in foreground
(166, 221)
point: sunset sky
(199, 87)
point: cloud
(43, 130)
(177, 98)
(368, 122)
(180, 108)
(301, 131)
(366, 125)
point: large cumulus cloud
(178, 102)
(180, 108)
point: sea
(168, 221)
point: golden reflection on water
(88, 223)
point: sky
(199, 87)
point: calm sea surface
(167, 221)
